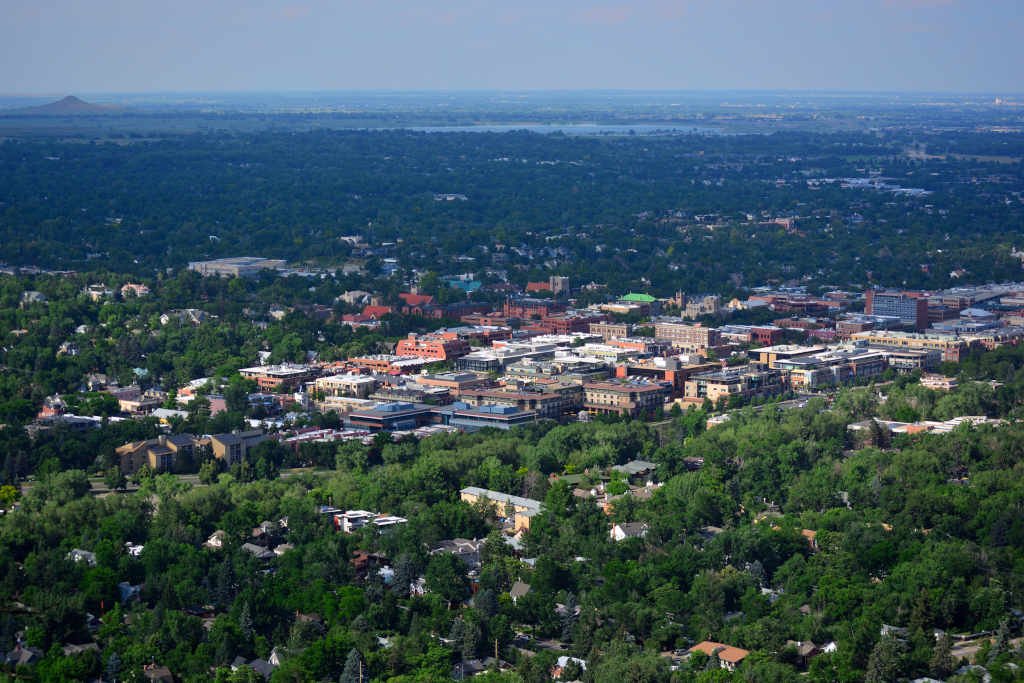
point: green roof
(639, 298)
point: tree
(113, 667)
(354, 671)
(885, 661)
(942, 663)
(115, 479)
(446, 576)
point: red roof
(416, 299)
(376, 311)
(726, 653)
(538, 287)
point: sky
(110, 46)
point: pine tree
(942, 663)
(1002, 642)
(885, 661)
(355, 669)
(113, 667)
(245, 621)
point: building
(742, 383)
(516, 510)
(908, 360)
(624, 397)
(910, 308)
(387, 364)
(610, 330)
(471, 419)
(233, 448)
(238, 266)
(440, 347)
(546, 404)
(526, 308)
(770, 354)
(567, 323)
(833, 367)
(669, 370)
(949, 346)
(939, 382)
(392, 417)
(130, 289)
(696, 307)
(284, 377)
(686, 337)
(729, 657)
(350, 385)
(162, 454)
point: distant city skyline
(869, 45)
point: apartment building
(624, 397)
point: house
(729, 657)
(157, 674)
(624, 530)
(562, 662)
(350, 521)
(805, 650)
(135, 289)
(260, 666)
(78, 555)
(259, 552)
(216, 540)
(519, 590)
(23, 655)
(466, 550)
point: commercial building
(239, 266)
(951, 348)
(546, 404)
(742, 383)
(624, 397)
(350, 385)
(284, 377)
(435, 347)
(610, 330)
(832, 367)
(392, 417)
(910, 308)
(667, 370)
(686, 337)
(471, 419)
(770, 354)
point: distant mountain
(69, 106)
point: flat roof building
(237, 266)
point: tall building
(911, 310)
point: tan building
(515, 510)
(233, 448)
(746, 382)
(951, 347)
(687, 337)
(284, 377)
(624, 398)
(350, 385)
(162, 454)
(610, 331)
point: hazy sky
(82, 46)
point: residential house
(729, 657)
